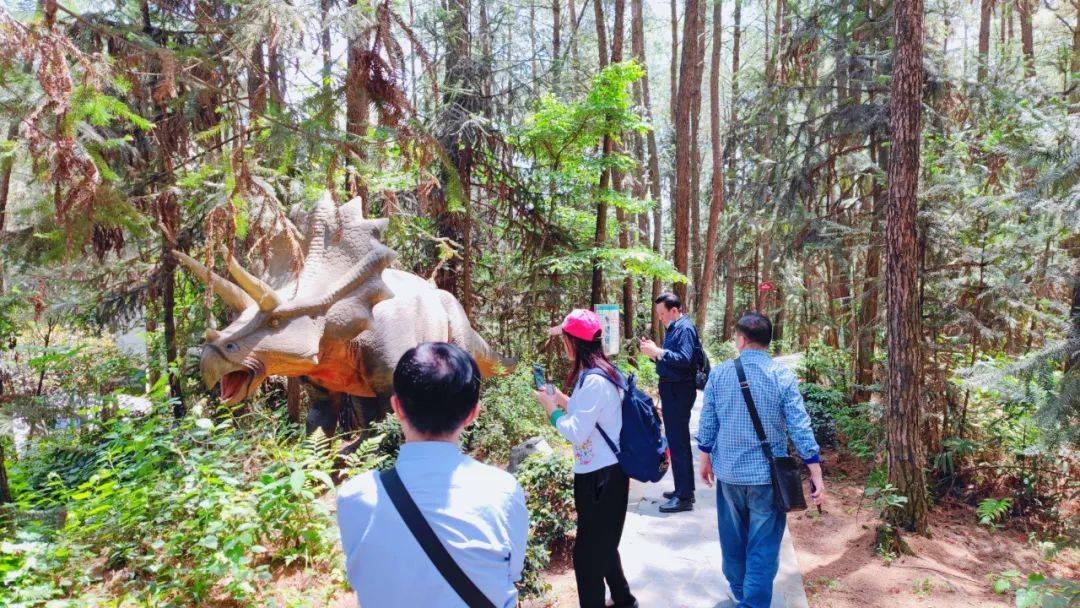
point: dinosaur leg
(325, 411)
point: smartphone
(540, 380)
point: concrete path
(673, 560)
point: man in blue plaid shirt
(751, 526)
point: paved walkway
(673, 560)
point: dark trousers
(600, 498)
(676, 401)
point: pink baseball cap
(581, 323)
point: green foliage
(827, 366)
(1036, 590)
(885, 499)
(180, 513)
(548, 482)
(509, 414)
(993, 510)
(822, 404)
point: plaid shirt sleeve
(707, 423)
(797, 420)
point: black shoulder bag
(432, 546)
(784, 470)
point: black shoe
(671, 494)
(631, 604)
(676, 505)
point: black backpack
(702, 364)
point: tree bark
(905, 449)
(868, 299)
(695, 157)
(599, 237)
(716, 204)
(1074, 65)
(1027, 39)
(683, 143)
(986, 13)
(637, 29)
(625, 225)
(556, 42)
(357, 110)
(461, 102)
(729, 157)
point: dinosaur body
(341, 322)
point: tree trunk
(168, 303)
(597, 292)
(1074, 65)
(637, 29)
(556, 42)
(1027, 39)
(357, 110)
(905, 449)
(695, 157)
(256, 82)
(868, 299)
(461, 102)
(986, 13)
(716, 204)
(729, 157)
(683, 143)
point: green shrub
(548, 481)
(821, 404)
(1038, 591)
(509, 414)
(173, 513)
(825, 365)
(993, 510)
(860, 429)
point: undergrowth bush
(548, 481)
(171, 512)
(509, 414)
(827, 366)
(822, 404)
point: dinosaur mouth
(237, 386)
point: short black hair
(438, 384)
(755, 327)
(669, 300)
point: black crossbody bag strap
(744, 386)
(432, 546)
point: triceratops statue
(341, 322)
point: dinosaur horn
(263, 294)
(226, 290)
(368, 269)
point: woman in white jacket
(601, 488)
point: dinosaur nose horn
(211, 335)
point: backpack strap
(744, 386)
(430, 543)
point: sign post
(609, 321)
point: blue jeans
(751, 528)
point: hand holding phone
(541, 381)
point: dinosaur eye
(273, 322)
(230, 347)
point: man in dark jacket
(676, 364)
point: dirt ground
(954, 568)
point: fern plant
(992, 510)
